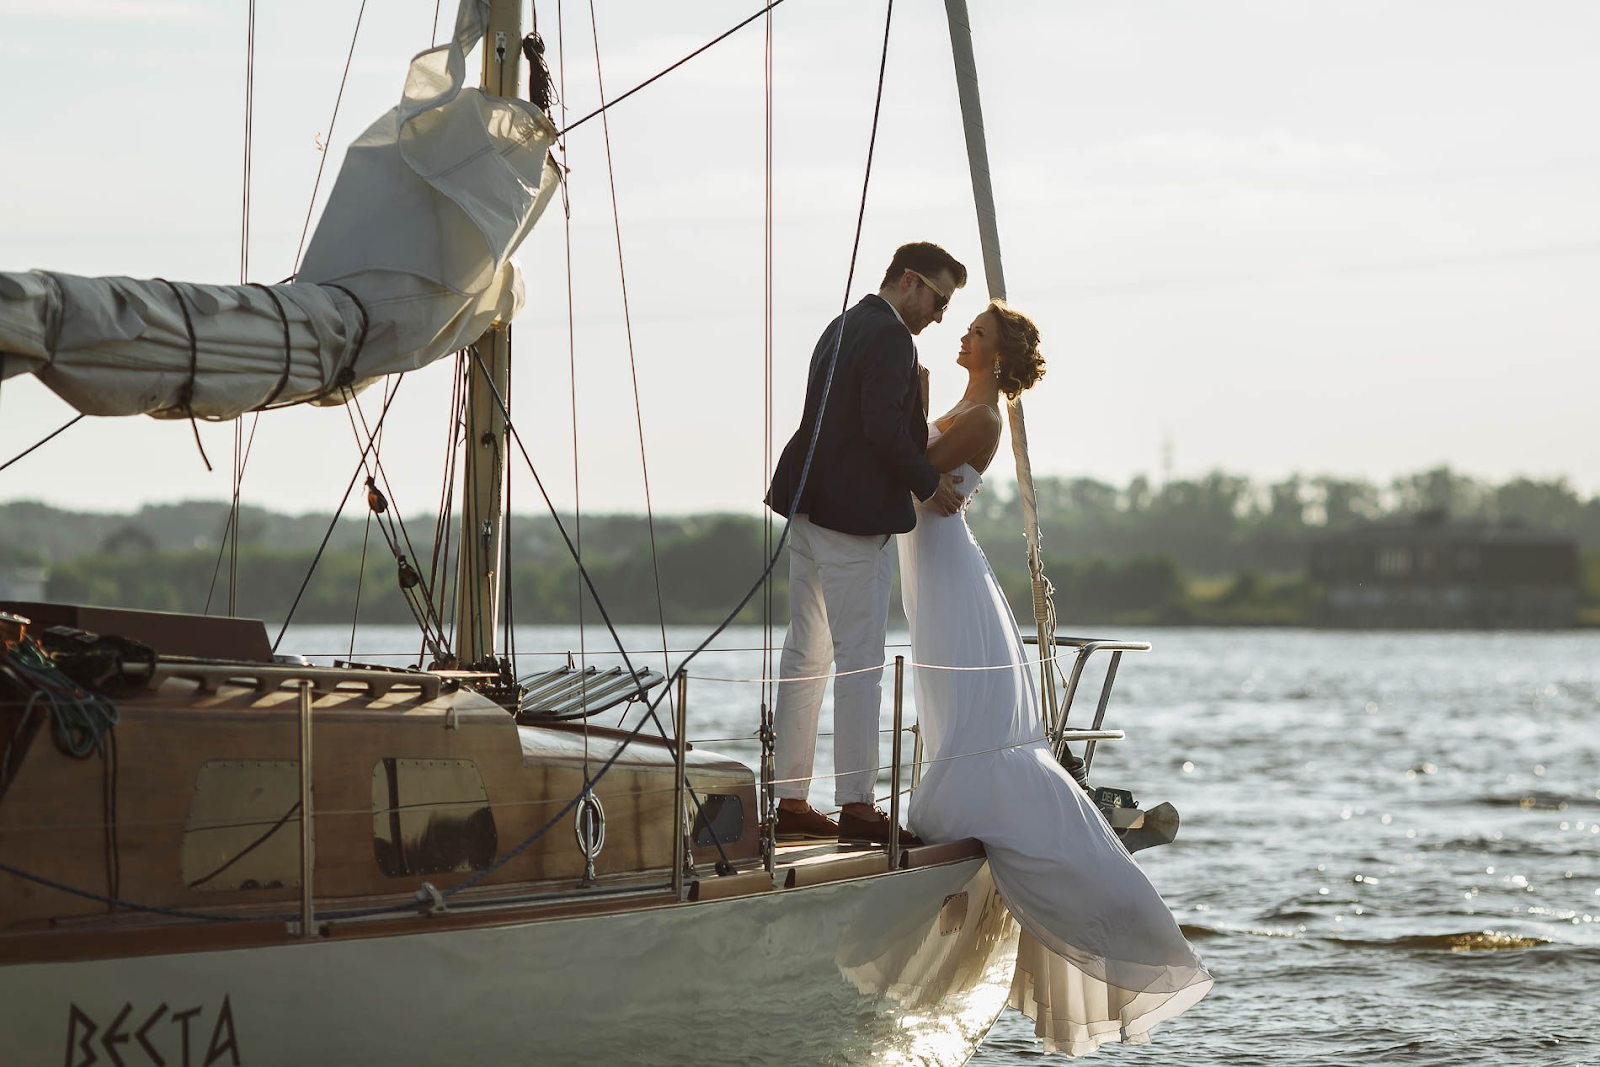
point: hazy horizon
(1355, 239)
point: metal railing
(1056, 726)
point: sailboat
(212, 854)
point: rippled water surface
(1390, 845)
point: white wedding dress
(1101, 957)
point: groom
(869, 460)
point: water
(1390, 843)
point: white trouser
(838, 613)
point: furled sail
(410, 261)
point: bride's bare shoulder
(968, 437)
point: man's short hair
(925, 258)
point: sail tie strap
(288, 350)
(346, 376)
(186, 394)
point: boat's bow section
(410, 261)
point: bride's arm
(971, 436)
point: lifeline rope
(880, 666)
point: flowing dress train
(1101, 957)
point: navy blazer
(871, 453)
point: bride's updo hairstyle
(1020, 362)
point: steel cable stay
(604, 106)
(642, 693)
(230, 527)
(46, 439)
(378, 505)
(633, 366)
(333, 524)
(366, 537)
(328, 144)
(651, 704)
(572, 379)
(766, 730)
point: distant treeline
(1217, 549)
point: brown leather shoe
(807, 825)
(857, 830)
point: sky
(1359, 238)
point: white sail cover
(430, 204)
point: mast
(989, 235)
(483, 480)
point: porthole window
(243, 830)
(430, 816)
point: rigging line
(833, 362)
(767, 603)
(361, 465)
(399, 518)
(366, 536)
(509, 644)
(663, 73)
(327, 145)
(233, 519)
(640, 691)
(46, 439)
(231, 525)
(804, 473)
(410, 598)
(447, 494)
(572, 383)
(633, 366)
(249, 140)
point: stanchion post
(894, 773)
(308, 859)
(680, 857)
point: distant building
(1437, 573)
(128, 540)
(22, 583)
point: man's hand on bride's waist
(946, 500)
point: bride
(1101, 957)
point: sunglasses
(944, 297)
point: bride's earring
(997, 368)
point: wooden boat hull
(910, 967)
